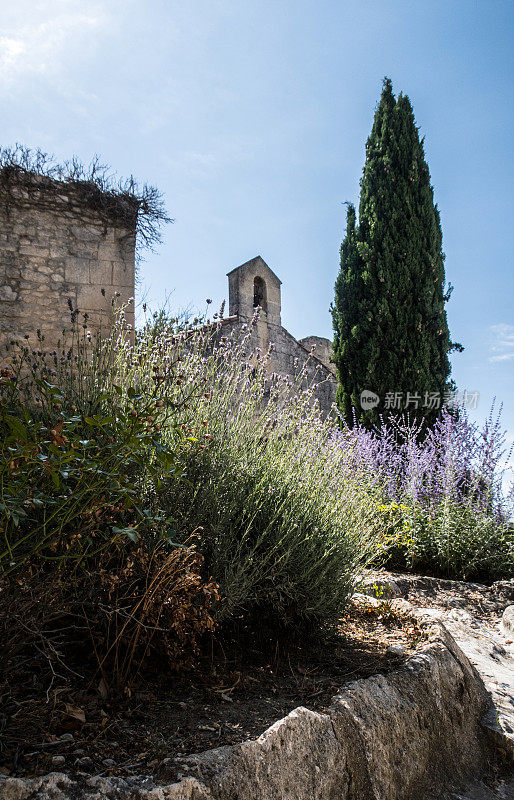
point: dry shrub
(156, 604)
(141, 609)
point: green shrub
(281, 536)
(463, 541)
(79, 449)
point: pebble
(67, 737)
(396, 650)
(85, 762)
(58, 761)
(109, 762)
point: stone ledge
(395, 737)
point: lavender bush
(443, 509)
(281, 536)
(285, 505)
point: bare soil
(73, 723)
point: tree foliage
(391, 331)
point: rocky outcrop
(480, 620)
(57, 786)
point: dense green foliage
(178, 436)
(391, 331)
(284, 540)
(76, 448)
(157, 489)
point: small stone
(85, 762)
(7, 294)
(396, 650)
(67, 737)
(58, 761)
(109, 762)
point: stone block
(59, 250)
(87, 233)
(82, 252)
(34, 250)
(89, 298)
(122, 275)
(77, 270)
(101, 272)
(7, 294)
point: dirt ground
(66, 722)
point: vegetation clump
(167, 489)
(35, 177)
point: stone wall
(322, 349)
(290, 357)
(55, 247)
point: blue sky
(251, 116)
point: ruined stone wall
(289, 357)
(57, 248)
(322, 349)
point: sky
(251, 117)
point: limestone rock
(57, 786)
(507, 622)
(414, 729)
(297, 758)
(381, 588)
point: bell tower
(254, 285)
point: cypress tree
(390, 326)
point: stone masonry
(254, 286)
(56, 246)
(61, 242)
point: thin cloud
(42, 48)
(503, 342)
